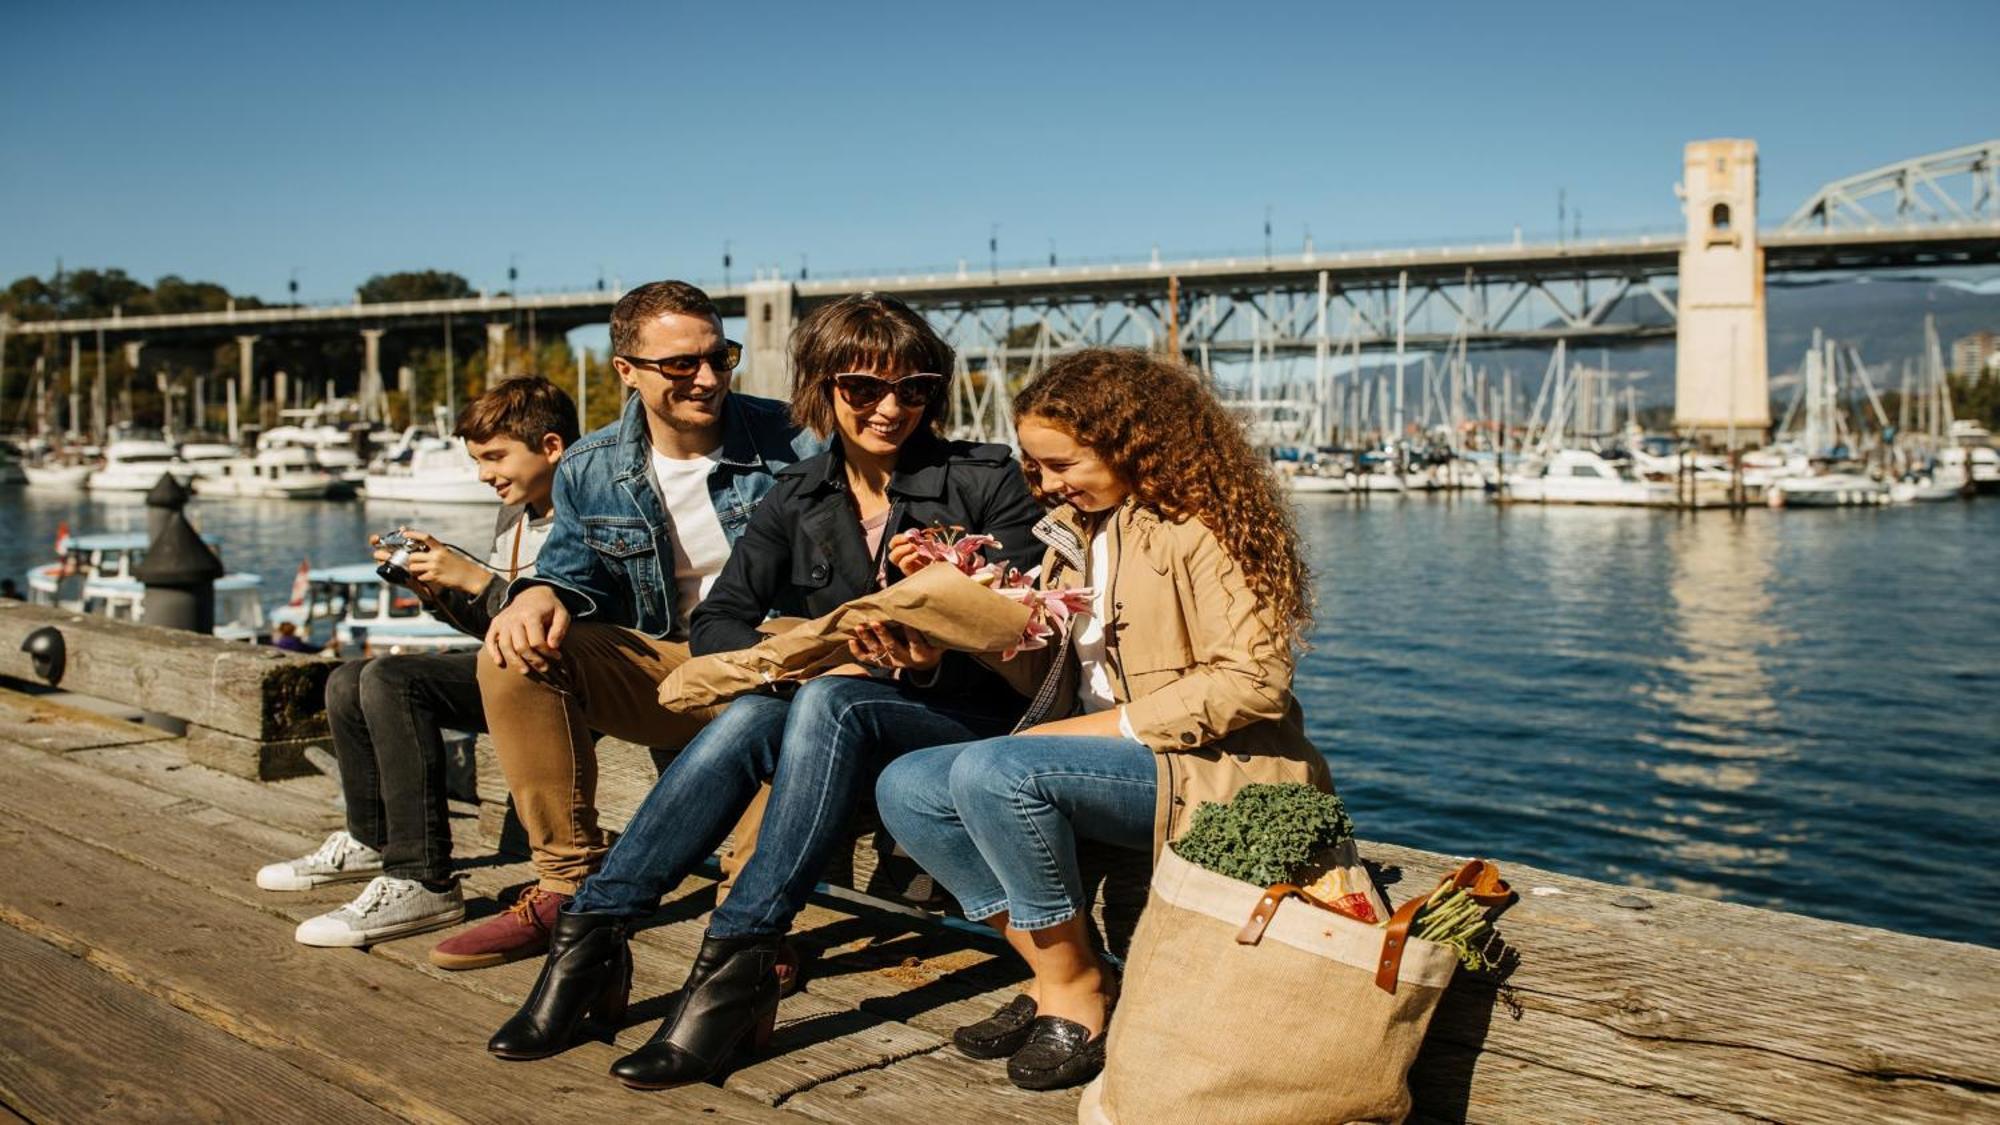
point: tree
(413, 285)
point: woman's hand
(903, 554)
(886, 646)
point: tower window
(1718, 217)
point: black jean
(387, 716)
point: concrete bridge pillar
(496, 351)
(246, 371)
(132, 350)
(1721, 385)
(768, 308)
(371, 373)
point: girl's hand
(885, 646)
(903, 554)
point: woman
(873, 373)
(1174, 690)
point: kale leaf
(1266, 833)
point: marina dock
(152, 980)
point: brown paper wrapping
(944, 605)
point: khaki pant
(607, 680)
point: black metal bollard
(179, 569)
(163, 500)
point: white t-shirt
(1093, 684)
(517, 546)
(700, 547)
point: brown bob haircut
(523, 408)
(653, 299)
(865, 332)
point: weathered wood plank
(412, 1045)
(168, 768)
(251, 692)
(939, 1086)
(1689, 1010)
(83, 1046)
(48, 725)
(1728, 1007)
(818, 1038)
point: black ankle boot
(587, 973)
(730, 1001)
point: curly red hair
(1185, 456)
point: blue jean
(997, 821)
(818, 749)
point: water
(1798, 710)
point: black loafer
(1059, 1053)
(1000, 1034)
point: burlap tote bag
(1250, 1006)
(939, 601)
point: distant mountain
(1882, 316)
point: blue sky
(238, 143)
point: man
(388, 714)
(648, 509)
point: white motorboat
(422, 469)
(362, 615)
(1826, 490)
(283, 473)
(206, 458)
(57, 476)
(1325, 484)
(330, 445)
(1379, 481)
(1980, 462)
(95, 576)
(1579, 476)
(136, 466)
(1927, 488)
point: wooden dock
(148, 979)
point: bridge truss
(1960, 185)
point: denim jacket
(610, 554)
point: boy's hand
(438, 566)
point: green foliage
(1451, 918)
(94, 293)
(1266, 833)
(413, 285)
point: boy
(388, 713)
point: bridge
(1933, 211)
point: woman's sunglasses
(863, 391)
(724, 359)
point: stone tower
(767, 368)
(1720, 381)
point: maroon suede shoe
(520, 931)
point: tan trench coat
(1201, 668)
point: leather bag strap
(1476, 877)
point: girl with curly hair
(1175, 689)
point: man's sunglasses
(724, 359)
(863, 391)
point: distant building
(1977, 354)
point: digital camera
(400, 547)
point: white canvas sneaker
(341, 859)
(386, 908)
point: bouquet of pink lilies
(1048, 610)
